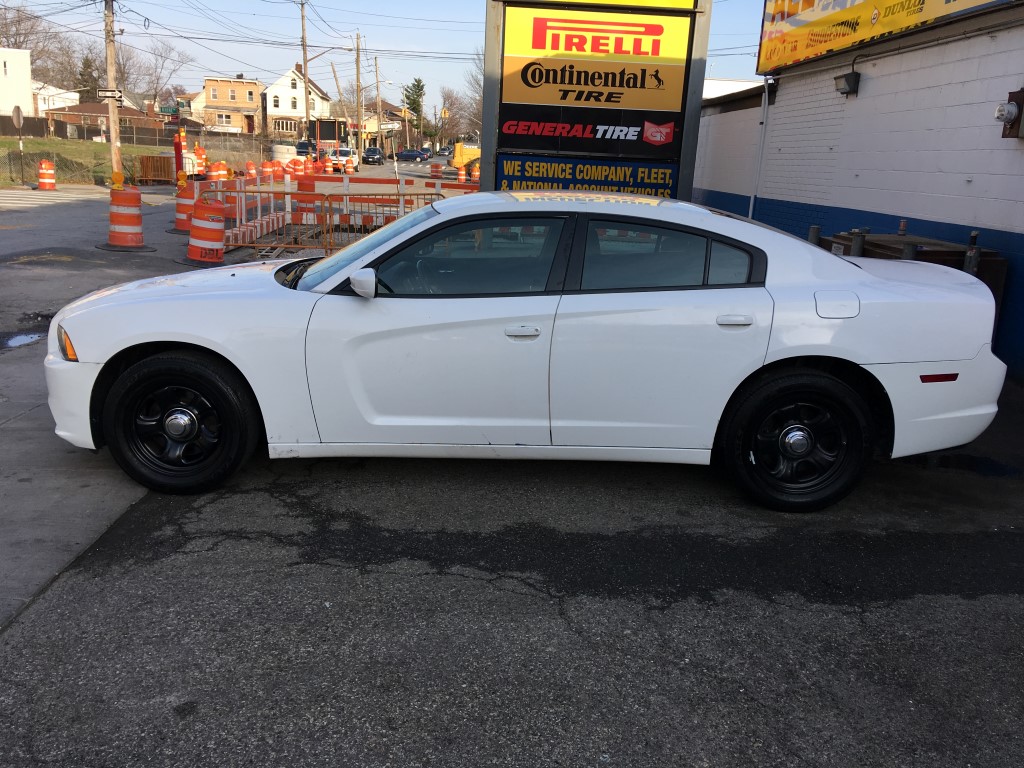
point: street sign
(109, 93)
(390, 126)
(17, 117)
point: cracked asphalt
(374, 613)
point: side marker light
(932, 378)
(67, 349)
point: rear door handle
(522, 331)
(735, 320)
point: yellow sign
(668, 5)
(797, 30)
(545, 32)
(571, 82)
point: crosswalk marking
(25, 199)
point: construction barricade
(125, 232)
(309, 213)
(47, 176)
(206, 239)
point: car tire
(180, 422)
(797, 442)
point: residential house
(283, 109)
(228, 105)
(16, 81)
(94, 114)
(46, 97)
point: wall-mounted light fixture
(848, 83)
(1011, 114)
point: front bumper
(70, 388)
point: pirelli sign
(594, 95)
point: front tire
(180, 422)
(797, 442)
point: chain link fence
(23, 168)
(17, 167)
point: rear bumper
(70, 389)
(936, 415)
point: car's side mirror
(364, 282)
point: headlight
(67, 349)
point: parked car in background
(445, 151)
(416, 155)
(306, 148)
(342, 154)
(532, 325)
(373, 156)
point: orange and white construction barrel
(475, 174)
(350, 167)
(462, 174)
(436, 171)
(125, 231)
(184, 201)
(206, 238)
(47, 176)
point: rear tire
(797, 442)
(180, 422)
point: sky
(261, 38)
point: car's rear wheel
(180, 422)
(797, 442)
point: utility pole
(359, 103)
(112, 118)
(380, 133)
(305, 72)
(341, 97)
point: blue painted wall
(796, 218)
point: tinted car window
(729, 265)
(507, 256)
(641, 256)
(634, 256)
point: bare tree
(165, 62)
(54, 60)
(474, 94)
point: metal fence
(274, 220)
(23, 167)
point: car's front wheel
(180, 422)
(797, 442)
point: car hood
(258, 276)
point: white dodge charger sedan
(537, 326)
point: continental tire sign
(592, 84)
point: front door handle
(522, 331)
(735, 320)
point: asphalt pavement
(456, 613)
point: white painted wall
(16, 81)
(918, 140)
(727, 151)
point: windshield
(331, 265)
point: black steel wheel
(180, 422)
(797, 442)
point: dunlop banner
(794, 31)
(527, 172)
(592, 132)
